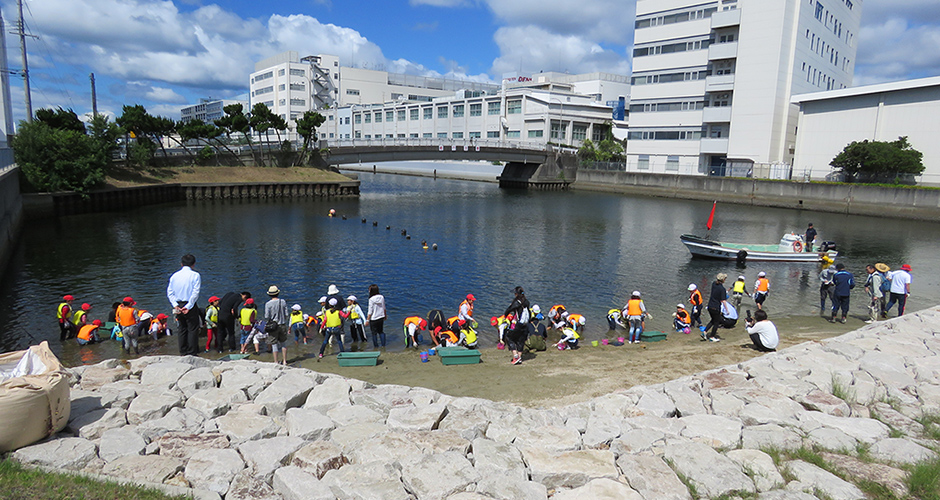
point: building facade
(208, 110)
(831, 120)
(712, 80)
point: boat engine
(827, 245)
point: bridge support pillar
(556, 173)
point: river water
(586, 250)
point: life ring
(797, 246)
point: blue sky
(165, 54)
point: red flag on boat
(711, 218)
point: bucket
(432, 352)
(621, 340)
(605, 341)
(424, 356)
(595, 343)
(500, 346)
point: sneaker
(703, 335)
(517, 361)
(319, 356)
(831, 320)
(715, 339)
(842, 321)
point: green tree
(587, 152)
(60, 119)
(198, 130)
(878, 160)
(236, 122)
(146, 129)
(59, 159)
(261, 122)
(307, 129)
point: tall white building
(712, 80)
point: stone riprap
(247, 429)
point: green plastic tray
(459, 356)
(652, 336)
(233, 357)
(358, 358)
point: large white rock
(152, 405)
(176, 420)
(245, 486)
(770, 436)
(668, 426)
(901, 450)
(243, 378)
(348, 436)
(373, 481)
(761, 466)
(828, 438)
(264, 456)
(119, 394)
(147, 468)
(183, 445)
(826, 403)
(242, 426)
(116, 443)
(823, 481)
(492, 458)
(498, 486)
(294, 484)
(785, 495)
(103, 373)
(411, 418)
(687, 401)
(58, 453)
(94, 423)
(438, 441)
(866, 430)
(712, 473)
(422, 475)
(214, 469)
(213, 402)
(655, 403)
(637, 441)
(319, 457)
(714, 430)
(290, 390)
(550, 438)
(652, 478)
(600, 489)
(570, 469)
(163, 376)
(890, 369)
(348, 414)
(196, 379)
(388, 447)
(470, 426)
(309, 425)
(600, 431)
(332, 393)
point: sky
(166, 54)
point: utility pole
(21, 31)
(94, 97)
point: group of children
(129, 323)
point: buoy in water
(332, 212)
(375, 223)
(344, 217)
(363, 220)
(407, 237)
(404, 232)
(388, 228)
(434, 246)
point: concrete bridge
(528, 165)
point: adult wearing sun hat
(276, 312)
(900, 289)
(876, 278)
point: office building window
(413, 136)
(428, 113)
(297, 72)
(368, 117)
(280, 72)
(536, 134)
(643, 162)
(358, 134)
(427, 135)
(514, 107)
(297, 86)
(442, 135)
(578, 132)
(389, 116)
(476, 109)
(474, 135)
(513, 134)
(281, 88)
(389, 136)
(352, 92)
(298, 102)
(493, 134)
(442, 112)
(357, 119)
(457, 135)
(413, 114)
(401, 115)
(672, 163)
(282, 102)
(557, 130)
(378, 117)
(492, 108)
(458, 111)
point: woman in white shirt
(375, 318)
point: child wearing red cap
(212, 320)
(88, 334)
(158, 326)
(246, 320)
(64, 315)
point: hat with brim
(881, 267)
(332, 290)
(273, 290)
(906, 267)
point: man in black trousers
(228, 311)
(183, 292)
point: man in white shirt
(900, 289)
(762, 332)
(183, 292)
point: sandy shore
(558, 378)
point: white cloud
(441, 3)
(531, 49)
(895, 49)
(160, 94)
(598, 20)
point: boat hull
(706, 249)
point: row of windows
(492, 108)
(680, 17)
(293, 102)
(665, 135)
(578, 133)
(263, 76)
(263, 90)
(671, 48)
(655, 107)
(684, 76)
(672, 163)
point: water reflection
(585, 250)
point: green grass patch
(875, 491)
(685, 480)
(924, 480)
(931, 423)
(842, 391)
(19, 482)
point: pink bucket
(500, 346)
(621, 339)
(605, 341)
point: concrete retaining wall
(58, 204)
(11, 213)
(905, 203)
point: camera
(748, 318)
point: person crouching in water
(88, 334)
(412, 325)
(298, 324)
(682, 320)
(247, 316)
(356, 319)
(501, 323)
(635, 312)
(450, 336)
(332, 325)
(436, 324)
(615, 319)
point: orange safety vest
(413, 320)
(763, 284)
(63, 311)
(633, 307)
(696, 298)
(451, 336)
(556, 310)
(86, 331)
(682, 315)
(125, 316)
(469, 307)
(573, 319)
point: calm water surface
(585, 250)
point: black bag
(271, 327)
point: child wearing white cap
(761, 289)
(297, 324)
(356, 319)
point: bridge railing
(446, 144)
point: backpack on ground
(535, 343)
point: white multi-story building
(712, 80)
(291, 85)
(549, 107)
(208, 110)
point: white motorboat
(790, 249)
